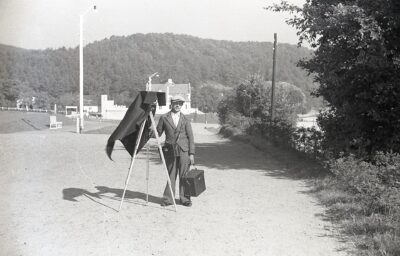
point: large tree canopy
(252, 100)
(357, 64)
(119, 66)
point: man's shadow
(71, 194)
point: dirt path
(61, 192)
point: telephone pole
(273, 82)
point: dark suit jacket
(182, 134)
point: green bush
(374, 186)
(308, 140)
(375, 183)
(229, 131)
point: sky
(41, 24)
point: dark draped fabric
(128, 129)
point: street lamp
(149, 83)
(94, 8)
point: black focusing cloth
(128, 129)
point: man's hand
(191, 157)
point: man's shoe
(187, 203)
(165, 203)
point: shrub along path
(61, 192)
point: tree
(69, 99)
(119, 64)
(10, 92)
(249, 109)
(26, 95)
(207, 97)
(254, 99)
(357, 64)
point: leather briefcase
(194, 182)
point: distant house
(171, 89)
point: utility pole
(273, 82)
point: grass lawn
(20, 121)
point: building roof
(174, 89)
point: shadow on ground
(228, 155)
(71, 194)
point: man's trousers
(176, 165)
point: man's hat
(177, 98)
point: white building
(171, 89)
(111, 111)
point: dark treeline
(119, 65)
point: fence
(23, 109)
(308, 141)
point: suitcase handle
(189, 170)
(186, 173)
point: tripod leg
(132, 162)
(147, 172)
(153, 124)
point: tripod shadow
(117, 194)
(71, 194)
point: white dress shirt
(175, 118)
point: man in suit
(178, 148)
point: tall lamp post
(94, 8)
(149, 82)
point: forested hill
(119, 65)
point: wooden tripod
(153, 126)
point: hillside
(119, 65)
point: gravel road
(61, 194)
